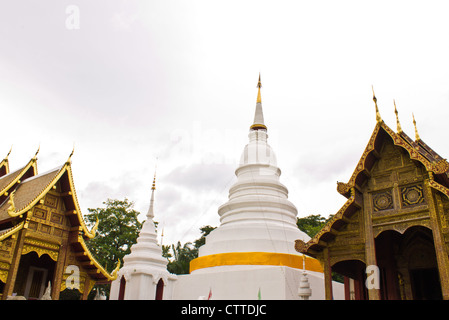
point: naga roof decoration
(418, 150)
(9, 180)
(4, 164)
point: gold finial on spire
(417, 138)
(259, 85)
(154, 179)
(154, 182)
(162, 235)
(398, 124)
(378, 117)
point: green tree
(179, 256)
(182, 255)
(117, 232)
(311, 224)
(204, 232)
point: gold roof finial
(259, 85)
(378, 117)
(398, 124)
(69, 160)
(35, 155)
(417, 138)
(8, 153)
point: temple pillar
(440, 249)
(370, 248)
(12, 273)
(327, 275)
(59, 270)
(86, 288)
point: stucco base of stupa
(244, 282)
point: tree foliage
(117, 232)
(179, 256)
(311, 224)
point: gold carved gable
(395, 190)
(393, 168)
(47, 218)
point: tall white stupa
(251, 254)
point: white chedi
(145, 266)
(304, 291)
(258, 216)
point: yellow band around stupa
(255, 258)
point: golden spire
(154, 179)
(154, 182)
(378, 117)
(417, 138)
(398, 125)
(162, 235)
(258, 115)
(150, 213)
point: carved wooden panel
(45, 228)
(6, 249)
(412, 195)
(382, 200)
(51, 201)
(391, 157)
(56, 218)
(32, 225)
(40, 213)
(48, 217)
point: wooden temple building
(390, 240)
(43, 235)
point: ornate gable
(391, 171)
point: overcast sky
(132, 81)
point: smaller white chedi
(144, 275)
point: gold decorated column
(370, 248)
(438, 240)
(327, 275)
(12, 273)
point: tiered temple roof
(22, 190)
